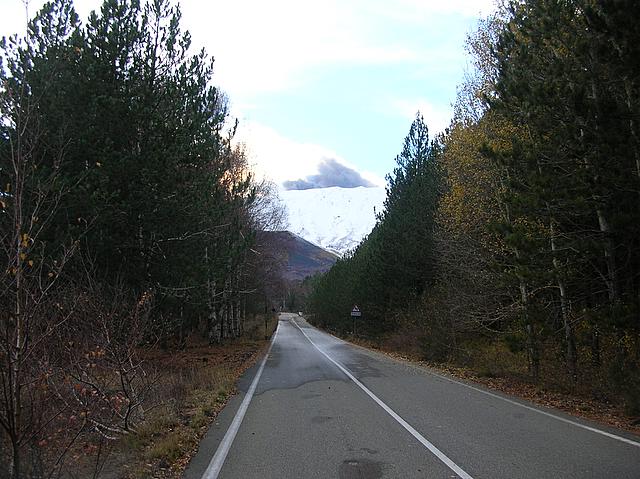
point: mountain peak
(334, 218)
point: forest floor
(576, 403)
(194, 385)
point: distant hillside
(334, 218)
(300, 258)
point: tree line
(128, 216)
(518, 229)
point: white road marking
(434, 450)
(539, 411)
(217, 461)
(511, 401)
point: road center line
(421, 439)
(516, 403)
(217, 461)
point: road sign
(355, 312)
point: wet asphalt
(307, 419)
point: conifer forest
(131, 224)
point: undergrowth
(193, 386)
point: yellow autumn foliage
(472, 200)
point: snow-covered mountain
(334, 218)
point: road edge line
(540, 411)
(217, 461)
(408, 427)
(534, 407)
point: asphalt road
(318, 407)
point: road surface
(318, 407)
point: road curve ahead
(318, 407)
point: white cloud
(269, 45)
(417, 11)
(436, 117)
(279, 158)
(264, 46)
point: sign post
(355, 313)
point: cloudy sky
(325, 90)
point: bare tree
(32, 268)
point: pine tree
(408, 217)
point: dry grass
(193, 386)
